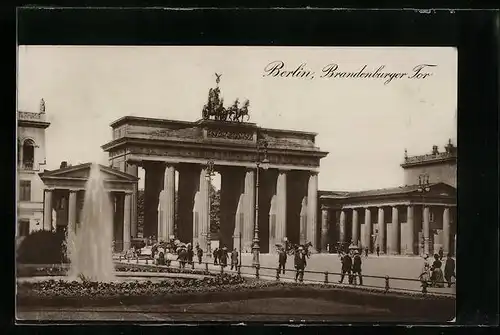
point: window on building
(24, 227)
(28, 154)
(25, 190)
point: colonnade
(408, 227)
(287, 200)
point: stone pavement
(402, 270)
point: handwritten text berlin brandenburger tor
(278, 69)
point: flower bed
(163, 269)
(61, 270)
(97, 290)
(221, 288)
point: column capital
(74, 190)
(127, 192)
(49, 189)
(325, 207)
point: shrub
(42, 247)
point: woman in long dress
(425, 272)
(437, 273)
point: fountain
(89, 245)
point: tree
(214, 209)
(140, 211)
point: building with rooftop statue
(414, 219)
(30, 161)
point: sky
(364, 123)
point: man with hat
(223, 257)
(346, 268)
(300, 264)
(281, 260)
(356, 268)
(449, 269)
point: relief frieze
(217, 133)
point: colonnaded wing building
(272, 172)
(416, 218)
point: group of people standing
(351, 266)
(433, 275)
(221, 257)
(299, 260)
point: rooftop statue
(214, 109)
(42, 106)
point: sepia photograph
(236, 183)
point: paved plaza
(403, 267)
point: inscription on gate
(213, 133)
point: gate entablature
(141, 139)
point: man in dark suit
(356, 268)
(300, 264)
(346, 267)
(281, 260)
(449, 269)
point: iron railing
(383, 283)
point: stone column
(153, 184)
(426, 229)
(72, 210)
(249, 209)
(368, 229)
(342, 226)
(47, 210)
(395, 231)
(324, 229)
(281, 207)
(446, 230)
(203, 210)
(133, 170)
(127, 214)
(355, 226)
(303, 221)
(381, 230)
(312, 209)
(411, 231)
(168, 204)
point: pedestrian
(356, 268)
(378, 250)
(281, 260)
(346, 267)
(223, 256)
(161, 258)
(366, 252)
(449, 269)
(441, 253)
(234, 259)
(216, 256)
(190, 254)
(199, 253)
(182, 257)
(300, 264)
(437, 277)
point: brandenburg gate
(285, 195)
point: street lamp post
(239, 236)
(261, 145)
(423, 187)
(209, 174)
